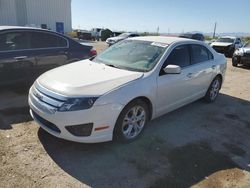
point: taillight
(93, 52)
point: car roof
(19, 27)
(161, 39)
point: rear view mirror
(172, 69)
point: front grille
(246, 54)
(45, 102)
(46, 123)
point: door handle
(190, 75)
(20, 57)
(213, 67)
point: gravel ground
(199, 145)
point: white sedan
(114, 95)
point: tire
(235, 61)
(231, 53)
(235, 64)
(128, 132)
(213, 90)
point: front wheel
(131, 122)
(235, 61)
(213, 90)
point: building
(47, 14)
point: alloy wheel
(134, 122)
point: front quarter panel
(143, 87)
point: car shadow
(179, 149)
(244, 67)
(14, 107)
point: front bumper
(55, 123)
(244, 60)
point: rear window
(46, 40)
(199, 54)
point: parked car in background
(227, 45)
(26, 53)
(193, 35)
(96, 33)
(112, 40)
(242, 55)
(120, 90)
(84, 35)
(209, 42)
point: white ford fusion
(115, 94)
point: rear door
(51, 51)
(203, 67)
(16, 59)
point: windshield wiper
(111, 65)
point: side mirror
(172, 69)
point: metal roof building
(47, 14)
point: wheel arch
(147, 101)
(220, 77)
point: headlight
(239, 52)
(75, 104)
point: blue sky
(170, 15)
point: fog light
(80, 130)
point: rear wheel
(131, 122)
(213, 90)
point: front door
(175, 90)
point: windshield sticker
(159, 44)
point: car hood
(246, 49)
(221, 44)
(85, 78)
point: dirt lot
(199, 145)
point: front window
(46, 40)
(14, 41)
(133, 55)
(230, 40)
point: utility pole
(215, 25)
(158, 29)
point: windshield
(124, 35)
(230, 40)
(133, 55)
(247, 44)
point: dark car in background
(194, 35)
(242, 56)
(26, 53)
